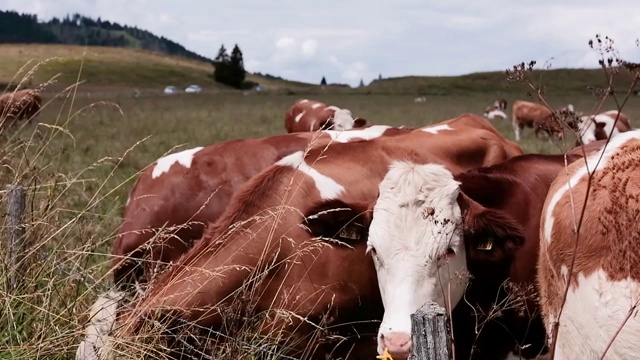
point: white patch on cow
(334, 108)
(588, 128)
(316, 105)
(102, 318)
(607, 304)
(184, 158)
(436, 128)
(299, 116)
(372, 132)
(328, 188)
(342, 120)
(304, 101)
(600, 158)
(495, 113)
(409, 246)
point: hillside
(82, 30)
(100, 66)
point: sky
(354, 40)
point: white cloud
(404, 37)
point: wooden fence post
(430, 333)
(15, 199)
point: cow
(601, 126)
(496, 110)
(293, 215)
(182, 192)
(537, 116)
(19, 105)
(595, 254)
(468, 242)
(310, 115)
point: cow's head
(493, 111)
(423, 233)
(590, 130)
(343, 120)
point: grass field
(80, 162)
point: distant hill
(77, 29)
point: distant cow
(538, 117)
(598, 127)
(309, 115)
(292, 215)
(600, 262)
(496, 110)
(19, 105)
(468, 242)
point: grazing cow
(420, 99)
(599, 127)
(496, 110)
(18, 105)
(439, 236)
(537, 116)
(183, 191)
(310, 115)
(293, 215)
(600, 263)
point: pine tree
(361, 83)
(323, 81)
(221, 66)
(236, 68)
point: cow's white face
(416, 242)
(342, 120)
(587, 130)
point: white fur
(334, 108)
(304, 101)
(495, 113)
(103, 316)
(343, 120)
(299, 116)
(588, 128)
(184, 158)
(316, 105)
(436, 128)
(408, 245)
(593, 313)
(328, 188)
(601, 158)
(369, 133)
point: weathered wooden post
(15, 240)
(430, 333)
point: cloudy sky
(347, 41)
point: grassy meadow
(80, 161)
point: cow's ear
(359, 122)
(337, 220)
(489, 234)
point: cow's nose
(398, 344)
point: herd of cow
(359, 225)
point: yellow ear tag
(487, 245)
(350, 232)
(385, 355)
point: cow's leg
(517, 128)
(102, 318)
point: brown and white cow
(601, 126)
(183, 191)
(19, 105)
(496, 110)
(468, 242)
(600, 264)
(537, 116)
(310, 115)
(289, 215)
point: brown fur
(313, 119)
(333, 279)
(504, 202)
(609, 233)
(194, 196)
(19, 105)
